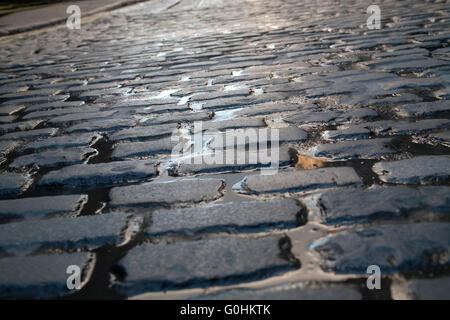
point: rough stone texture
(299, 180)
(83, 176)
(364, 149)
(87, 232)
(143, 149)
(167, 193)
(101, 125)
(142, 133)
(386, 127)
(13, 183)
(405, 248)
(243, 216)
(150, 267)
(57, 158)
(440, 138)
(41, 277)
(82, 140)
(19, 126)
(7, 146)
(379, 204)
(417, 170)
(421, 109)
(30, 134)
(229, 161)
(41, 207)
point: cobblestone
(418, 170)
(61, 142)
(68, 234)
(55, 158)
(363, 149)
(85, 176)
(422, 109)
(247, 215)
(379, 204)
(404, 248)
(42, 207)
(301, 180)
(41, 277)
(167, 193)
(13, 183)
(206, 261)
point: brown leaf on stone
(307, 163)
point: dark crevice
(403, 144)
(104, 147)
(107, 268)
(97, 200)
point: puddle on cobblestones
(104, 147)
(97, 201)
(404, 144)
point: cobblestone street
(89, 120)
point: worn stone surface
(132, 150)
(245, 216)
(142, 133)
(41, 207)
(41, 277)
(379, 204)
(30, 134)
(82, 140)
(7, 146)
(421, 109)
(68, 234)
(167, 193)
(229, 161)
(383, 128)
(299, 180)
(361, 149)
(56, 158)
(19, 126)
(84, 176)
(417, 170)
(13, 184)
(150, 267)
(404, 248)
